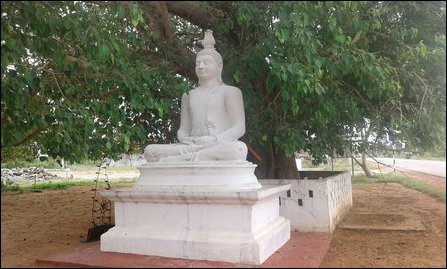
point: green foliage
(74, 80)
(18, 154)
(86, 79)
(332, 69)
(50, 164)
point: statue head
(208, 49)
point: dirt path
(35, 225)
(405, 244)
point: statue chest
(207, 111)
(198, 104)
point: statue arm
(185, 128)
(234, 105)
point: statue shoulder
(186, 94)
(231, 90)
(185, 97)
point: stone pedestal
(174, 211)
(216, 175)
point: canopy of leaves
(329, 69)
(91, 78)
(80, 80)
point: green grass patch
(362, 179)
(60, 185)
(338, 164)
(52, 164)
(405, 181)
(12, 188)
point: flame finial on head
(208, 41)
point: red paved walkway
(303, 250)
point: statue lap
(230, 151)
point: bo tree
(92, 78)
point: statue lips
(201, 73)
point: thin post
(352, 160)
(332, 162)
(394, 162)
(352, 164)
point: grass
(60, 185)
(339, 164)
(52, 164)
(405, 181)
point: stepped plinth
(199, 211)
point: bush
(15, 156)
(50, 164)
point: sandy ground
(387, 205)
(38, 224)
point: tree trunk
(266, 166)
(285, 167)
(365, 168)
(363, 164)
(275, 164)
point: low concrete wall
(316, 203)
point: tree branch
(165, 20)
(29, 136)
(199, 14)
(355, 159)
(4, 119)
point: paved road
(436, 168)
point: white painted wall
(332, 199)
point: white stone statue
(212, 117)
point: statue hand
(206, 140)
(187, 140)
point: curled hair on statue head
(213, 53)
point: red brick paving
(303, 250)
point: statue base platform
(201, 221)
(221, 175)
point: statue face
(206, 67)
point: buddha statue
(212, 117)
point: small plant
(8, 185)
